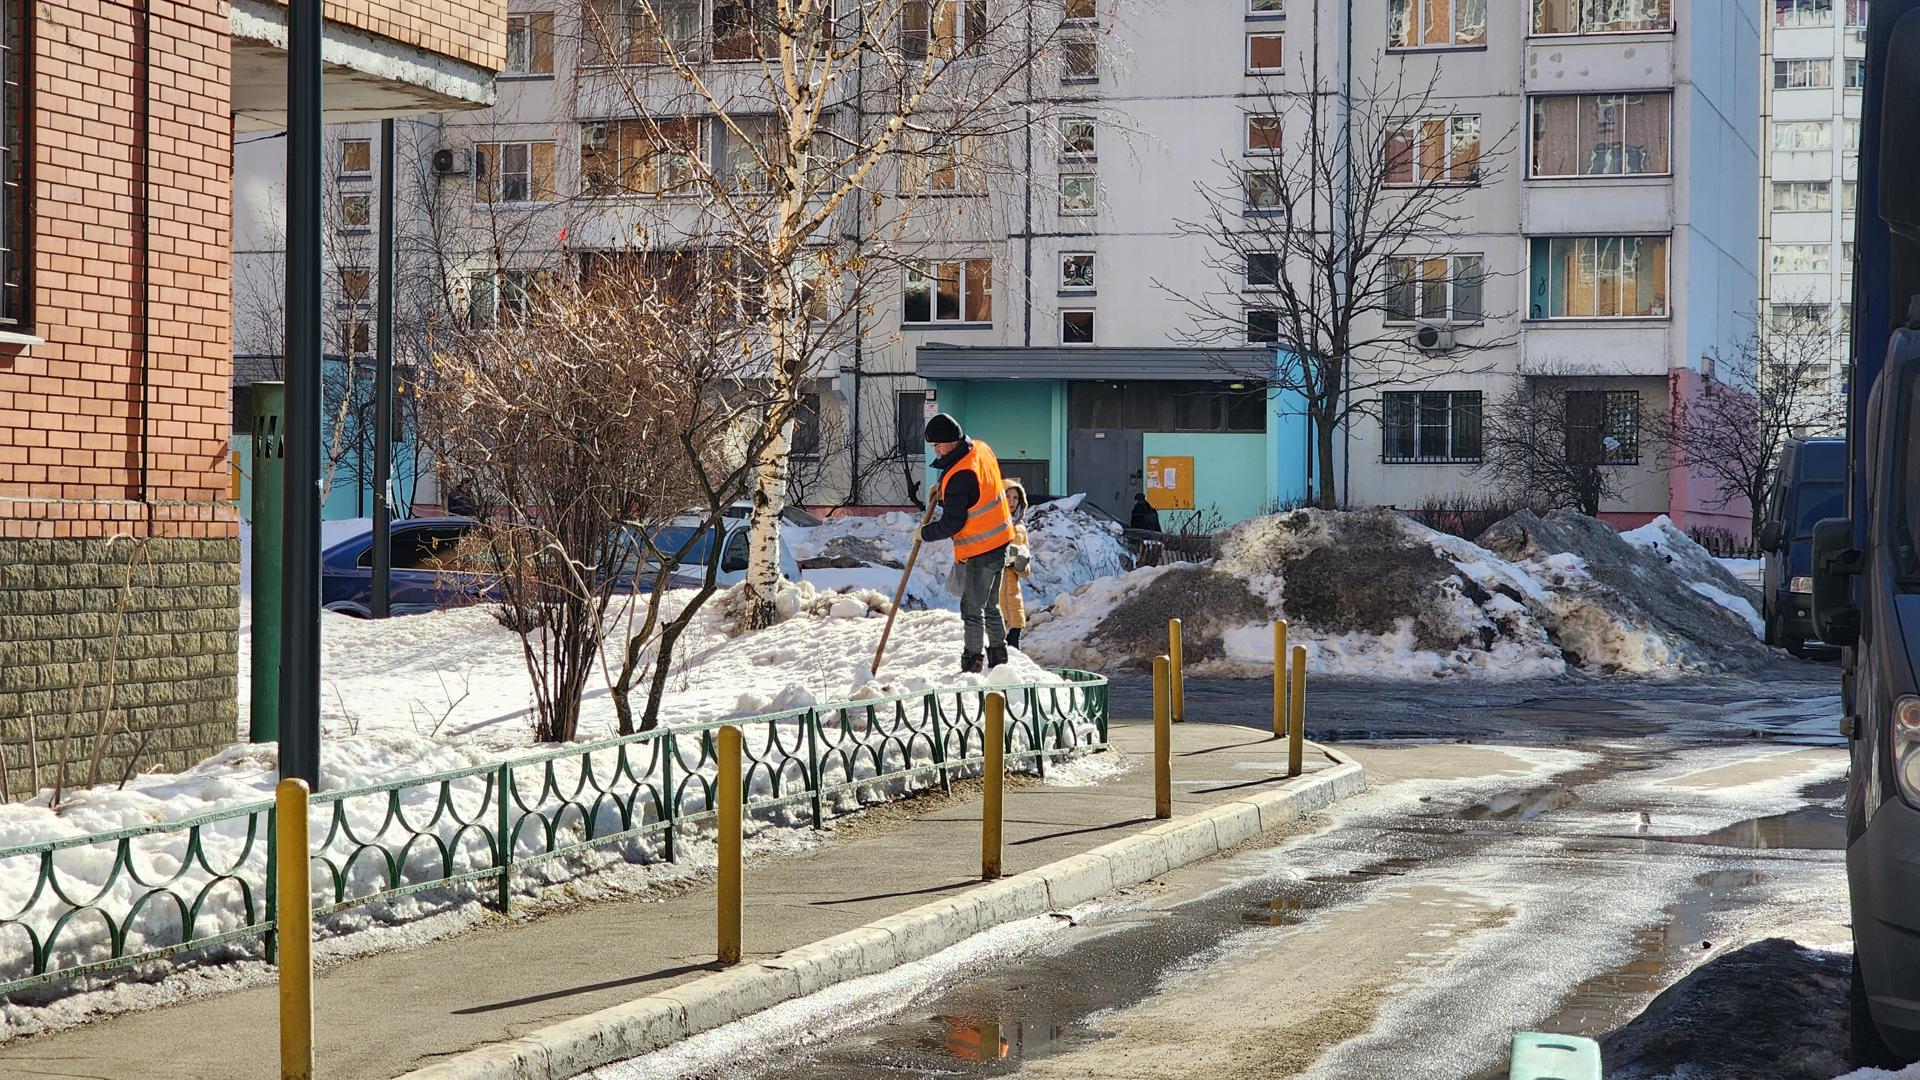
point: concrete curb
(645, 1024)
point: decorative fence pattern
(142, 894)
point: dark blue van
(1809, 486)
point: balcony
(382, 57)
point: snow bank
(1369, 593)
(1070, 549)
(1631, 606)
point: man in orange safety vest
(975, 516)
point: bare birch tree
(811, 108)
(1331, 240)
(1777, 384)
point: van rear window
(1813, 503)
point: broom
(901, 592)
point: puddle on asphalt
(1811, 827)
(1606, 1001)
(1519, 806)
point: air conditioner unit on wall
(1432, 338)
(452, 162)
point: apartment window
(356, 212)
(530, 44)
(1797, 317)
(1857, 13)
(1077, 193)
(356, 329)
(745, 29)
(504, 298)
(1266, 54)
(1601, 16)
(959, 291)
(1076, 139)
(1791, 13)
(1434, 150)
(1266, 7)
(1802, 74)
(1079, 11)
(806, 426)
(742, 162)
(910, 423)
(1160, 405)
(1431, 426)
(1076, 271)
(1263, 270)
(1849, 192)
(1263, 326)
(1263, 135)
(1079, 59)
(942, 28)
(356, 284)
(1856, 74)
(1850, 134)
(1264, 192)
(1603, 427)
(1437, 288)
(1800, 258)
(1597, 277)
(1800, 196)
(1424, 24)
(635, 157)
(1601, 135)
(1796, 135)
(513, 172)
(356, 157)
(942, 164)
(1076, 327)
(15, 260)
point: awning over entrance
(939, 361)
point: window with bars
(1431, 426)
(1603, 427)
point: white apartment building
(1608, 152)
(1814, 77)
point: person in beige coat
(1013, 608)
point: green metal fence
(142, 894)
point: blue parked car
(1809, 486)
(426, 576)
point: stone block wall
(125, 643)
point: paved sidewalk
(380, 1016)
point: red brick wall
(119, 422)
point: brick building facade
(119, 557)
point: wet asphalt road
(1574, 893)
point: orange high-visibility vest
(989, 522)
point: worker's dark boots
(1013, 638)
(972, 663)
(996, 655)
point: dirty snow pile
(1632, 605)
(1070, 548)
(1366, 592)
(1375, 593)
(1704, 574)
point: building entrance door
(1108, 464)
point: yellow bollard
(727, 801)
(995, 735)
(1297, 724)
(1177, 656)
(294, 928)
(1162, 738)
(1279, 678)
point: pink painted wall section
(1694, 500)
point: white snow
(1739, 605)
(1070, 548)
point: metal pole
(383, 385)
(269, 502)
(1279, 678)
(728, 800)
(300, 582)
(993, 772)
(293, 923)
(1162, 738)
